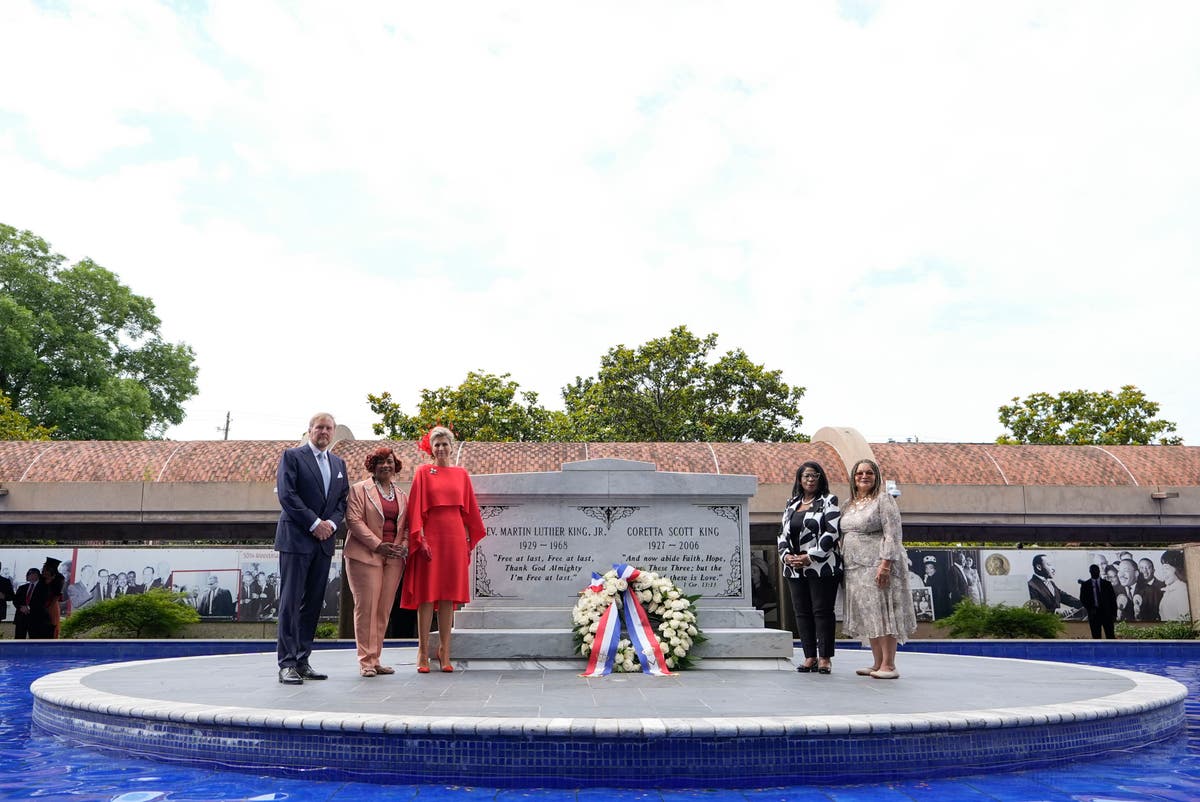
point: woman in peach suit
(375, 552)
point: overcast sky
(915, 210)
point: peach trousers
(374, 589)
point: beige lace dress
(870, 533)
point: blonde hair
(320, 416)
(440, 431)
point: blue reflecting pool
(37, 766)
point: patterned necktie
(323, 462)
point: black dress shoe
(306, 672)
(289, 676)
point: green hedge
(971, 620)
(157, 613)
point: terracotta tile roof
(1082, 466)
(1175, 466)
(773, 463)
(937, 463)
(99, 461)
(776, 463)
(518, 457)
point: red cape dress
(443, 513)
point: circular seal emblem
(996, 565)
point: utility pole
(226, 427)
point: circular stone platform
(534, 727)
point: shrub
(157, 613)
(971, 620)
(327, 631)
(1167, 630)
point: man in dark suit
(81, 592)
(312, 486)
(7, 594)
(1100, 601)
(1151, 589)
(1043, 589)
(1129, 600)
(32, 617)
(216, 601)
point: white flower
(622, 584)
(672, 594)
(670, 662)
(595, 626)
(645, 595)
(691, 630)
(679, 651)
(588, 638)
(585, 649)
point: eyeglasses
(864, 473)
(810, 476)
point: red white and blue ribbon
(637, 624)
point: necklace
(388, 496)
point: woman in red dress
(444, 525)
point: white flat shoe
(864, 672)
(885, 674)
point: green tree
(667, 390)
(483, 407)
(80, 353)
(15, 426)
(1082, 417)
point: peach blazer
(364, 517)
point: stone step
(496, 617)
(557, 644)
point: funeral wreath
(670, 614)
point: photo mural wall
(233, 584)
(225, 584)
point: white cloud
(952, 204)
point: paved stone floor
(929, 684)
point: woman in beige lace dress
(879, 606)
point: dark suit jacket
(303, 501)
(1039, 591)
(38, 617)
(1107, 610)
(221, 604)
(7, 594)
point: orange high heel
(444, 659)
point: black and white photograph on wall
(211, 592)
(1049, 577)
(949, 575)
(111, 573)
(1151, 585)
(333, 587)
(922, 602)
(258, 597)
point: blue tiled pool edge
(564, 762)
(750, 756)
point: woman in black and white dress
(812, 564)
